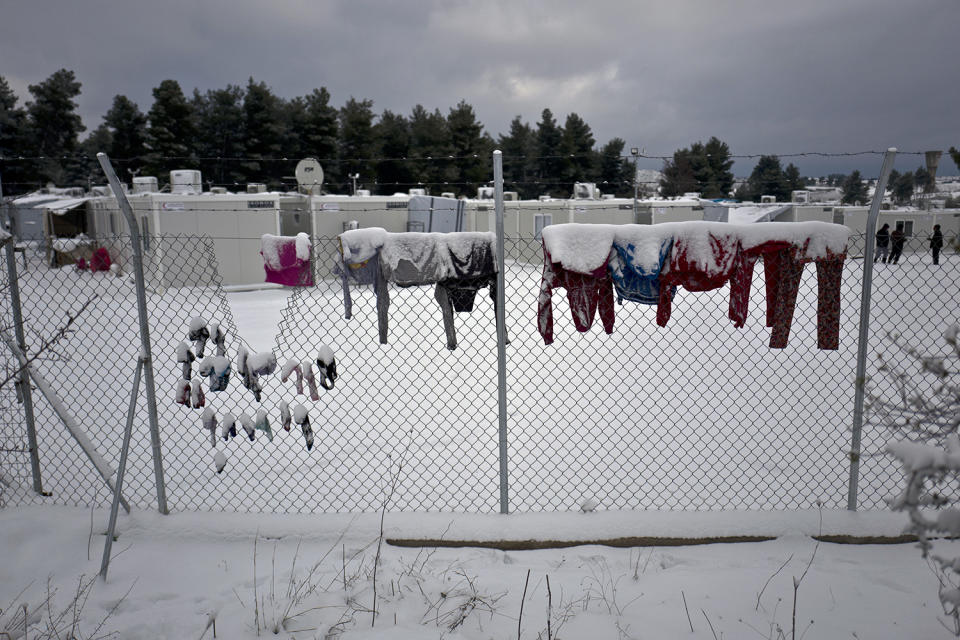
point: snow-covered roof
(750, 214)
(34, 199)
(62, 206)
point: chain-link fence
(696, 415)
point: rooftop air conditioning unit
(768, 199)
(256, 187)
(511, 196)
(585, 191)
(145, 184)
(485, 193)
(185, 182)
(448, 194)
(693, 195)
(218, 190)
(544, 198)
(363, 193)
(800, 197)
(418, 192)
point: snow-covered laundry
(199, 334)
(574, 259)
(307, 367)
(637, 260)
(286, 259)
(219, 461)
(246, 422)
(644, 260)
(302, 418)
(219, 337)
(253, 365)
(229, 427)
(326, 367)
(185, 357)
(181, 394)
(209, 421)
(262, 423)
(197, 398)
(290, 367)
(285, 417)
(458, 263)
(217, 370)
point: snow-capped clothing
(587, 293)
(326, 367)
(633, 280)
(473, 266)
(366, 272)
(286, 259)
(703, 258)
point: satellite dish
(309, 175)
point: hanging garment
(100, 260)
(229, 428)
(181, 394)
(287, 259)
(703, 258)
(197, 399)
(635, 266)
(327, 367)
(576, 257)
(285, 417)
(217, 370)
(786, 247)
(262, 423)
(302, 418)
(248, 425)
(185, 357)
(473, 266)
(360, 264)
(290, 367)
(199, 334)
(307, 367)
(220, 461)
(219, 338)
(209, 421)
(253, 365)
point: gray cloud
(766, 77)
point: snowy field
(169, 573)
(698, 415)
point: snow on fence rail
(697, 415)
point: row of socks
(326, 367)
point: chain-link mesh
(696, 415)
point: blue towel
(633, 281)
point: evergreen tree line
(246, 134)
(705, 168)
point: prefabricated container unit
(428, 214)
(171, 224)
(26, 216)
(330, 213)
(818, 213)
(681, 210)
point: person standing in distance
(936, 243)
(897, 238)
(883, 243)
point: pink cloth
(282, 265)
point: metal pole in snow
(501, 331)
(26, 393)
(145, 353)
(115, 505)
(860, 381)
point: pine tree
(319, 134)
(393, 144)
(357, 143)
(576, 145)
(518, 166)
(100, 139)
(220, 142)
(549, 162)
(924, 181)
(955, 156)
(767, 179)
(902, 189)
(429, 140)
(794, 181)
(718, 183)
(854, 190)
(616, 172)
(470, 148)
(172, 132)
(678, 175)
(262, 133)
(55, 126)
(703, 169)
(127, 125)
(16, 174)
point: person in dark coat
(897, 238)
(883, 243)
(936, 243)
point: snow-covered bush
(922, 409)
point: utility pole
(635, 152)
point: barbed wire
(437, 158)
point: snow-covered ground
(177, 569)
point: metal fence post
(145, 353)
(861, 378)
(24, 378)
(501, 332)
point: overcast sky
(765, 76)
